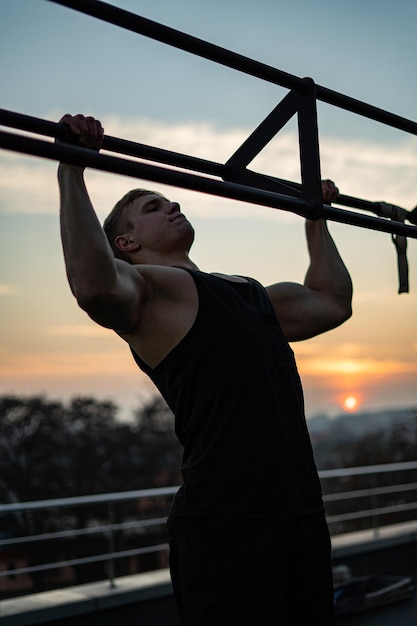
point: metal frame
(234, 190)
(232, 179)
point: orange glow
(351, 367)
(62, 364)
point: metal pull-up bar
(236, 191)
(294, 102)
(234, 180)
(172, 37)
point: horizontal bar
(85, 560)
(79, 532)
(142, 26)
(349, 201)
(154, 30)
(157, 521)
(134, 169)
(119, 496)
(113, 144)
(373, 491)
(395, 508)
(89, 158)
(365, 110)
(101, 498)
(368, 469)
(168, 157)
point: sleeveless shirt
(234, 389)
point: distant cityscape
(362, 422)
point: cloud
(28, 185)
(373, 171)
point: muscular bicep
(118, 305)
(304, 312)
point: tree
(52, 450)
(161, 453)
(31, 440)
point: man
(249, 542)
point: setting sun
(350, 403)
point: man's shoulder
(168, 312)
(165, 279)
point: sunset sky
(55, 61)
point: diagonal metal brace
(265, 132)
(304, 105)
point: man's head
(118, 219)
(144, 224)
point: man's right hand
(87, 131)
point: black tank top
(234, 389)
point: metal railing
(394, 499)
(107, 529)
(371, 517)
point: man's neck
(189, 265)
(174, 260)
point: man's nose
(174, 207)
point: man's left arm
(324, 301)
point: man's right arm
(110, 290)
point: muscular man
(248, 537)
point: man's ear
(125, 243)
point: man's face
(158, 224)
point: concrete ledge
(392, 551)
(52, 606)
(143, 599)
(370, 540)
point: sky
(55, 60)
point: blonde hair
(115, 223)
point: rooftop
(147, 598)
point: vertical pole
(374, 505)
(112, 584)
(309, 149)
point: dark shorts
(254, 575)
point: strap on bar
(400, 242)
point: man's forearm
(88, 257)
(326, 272)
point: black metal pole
(199, 47)
(309, 149)
(265, 132)
(177, 39)
(83, 156)
(134, 169)
(177, 159)
(113, 144)
(365, 110)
